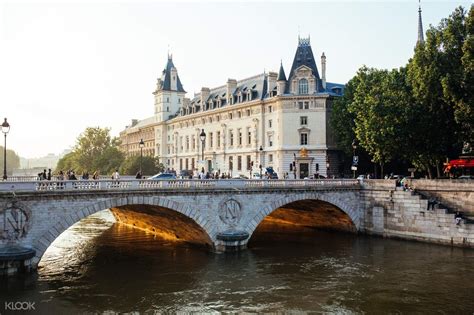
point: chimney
(204, 96)
(323, 70)
(134, 122)
(231, 86)
(271, 82)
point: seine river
(98, 266)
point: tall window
(231, 138)
(270, 108)
(270, 141)
(239, 163)
(240, 136)
(231, 163)
(249, 137)
(218, 139)
(270, 123)
(249, 166)
(303, 86)
(304, 139)
(210, 139)
(303, 120)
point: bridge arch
(349, 206)
(79, 212)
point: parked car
(466, 177)
(239, 177)
(256, 176)
(186, 174)
(361, 177)
(163, 176)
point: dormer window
(303, 86)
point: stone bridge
(221, 215)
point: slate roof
(166, 78)
(281, 73)
(304, 57)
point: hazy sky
(67, 66)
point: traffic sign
(354, 168)
(355, 160)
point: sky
(66, 66)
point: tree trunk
(381, 170)
(438, 170)
(375, 170)
(428, 168)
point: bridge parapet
(138, 184)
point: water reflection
(101, 266)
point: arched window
(303, 86)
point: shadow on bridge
(163, 222)
(297, 221)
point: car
(361, 177)
(163, 176)
(256, 176)
(240, 176)
(466, 177)
(186, 174)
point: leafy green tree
(441, 91)
(13, 160)
(95, 150)
(150, 165)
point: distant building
(267, 119)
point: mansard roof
(304, 57)
(256, 84)
(166, 81)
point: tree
(13, 160)
(380, 107)
(440, 91)
(95, 150)
(150, 165)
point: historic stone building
(267, 119)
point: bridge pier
(15, 259)
(231, 241)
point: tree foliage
(13, 160)
(421, 113)
(150, 165)
(95, 150)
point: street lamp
(261, 152)
(327, 166)
(142, 145)
(354, 159)
(202, 135)
(5, 130)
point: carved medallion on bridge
(14, 221)
(230, 212)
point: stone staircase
(439, 207)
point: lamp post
(294, 164)
(142, 145)
(5, 130)
(202, 135)
(354, 159)
(261, 152)
(327, 166)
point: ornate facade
(263, 120)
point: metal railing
(185, 184)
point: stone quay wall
(457, 194)
(392, 212)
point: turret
(281, 81)
(272, 79)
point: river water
(102, 267)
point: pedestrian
(95, 175)
(139, 175)
(49, 174)
(44, 176)
(458, 217)
(61, 175)
(116, 175)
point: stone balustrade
(139, 184)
